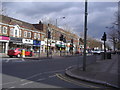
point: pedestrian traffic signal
(71, 40)
(61, 37)
(64, 40)
(49, 35)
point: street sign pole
(85, 37)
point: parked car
(18, 52)
(97, 52)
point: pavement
(103, 72)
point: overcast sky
(100, 14)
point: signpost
(85, 37)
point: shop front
(36, 45)
(60, 45)
(42, 46)
(4, 41)
(67, 47)
(15, 43)
(27, 44)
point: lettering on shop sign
(28, 41)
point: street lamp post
(57, 20)
(85, 37)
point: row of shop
(7, 43)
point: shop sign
(16, 40)
(27, 41)
(53, 44)
(4, 38)
(42, 42)
(36, 42)
(60, 43)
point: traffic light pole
(60, 47)
(104, 49)
(47, 48)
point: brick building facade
(15, 33)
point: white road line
(52, 76)
(12, 87)
(26, 83)
(34, 76)
(41, 79)
(31, 76)
(53, 71)
(41, 74)
(8, 83)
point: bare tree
(2, 9)
(114, 33)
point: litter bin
(102, 55)
(108, 55)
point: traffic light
(49, 35)
(61, 37)
(104, 37)
(71, 40)
(64, 40)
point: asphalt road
(45, 73)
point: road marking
(8, 83)
(41, 74)
(41, 79)
(53, 71)
(34, 76)
(52, 76)
(31, 77)
(74, 82)
(12, 87)
(26, 83)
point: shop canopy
(58, 45)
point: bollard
(23, 52)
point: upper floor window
(20, 33)
(16, 32)
(0, 29)
(11, 31)
(38, 36)
(25, 33)
(35, 35)
(29, 35)
(42, 37)
(4, 30)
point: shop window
(4, 30)
(29, 35)
(25, 33)
(35, 35)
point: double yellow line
(74, 82)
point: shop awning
(58, 45)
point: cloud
(100, 14)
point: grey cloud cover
(100, 14)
